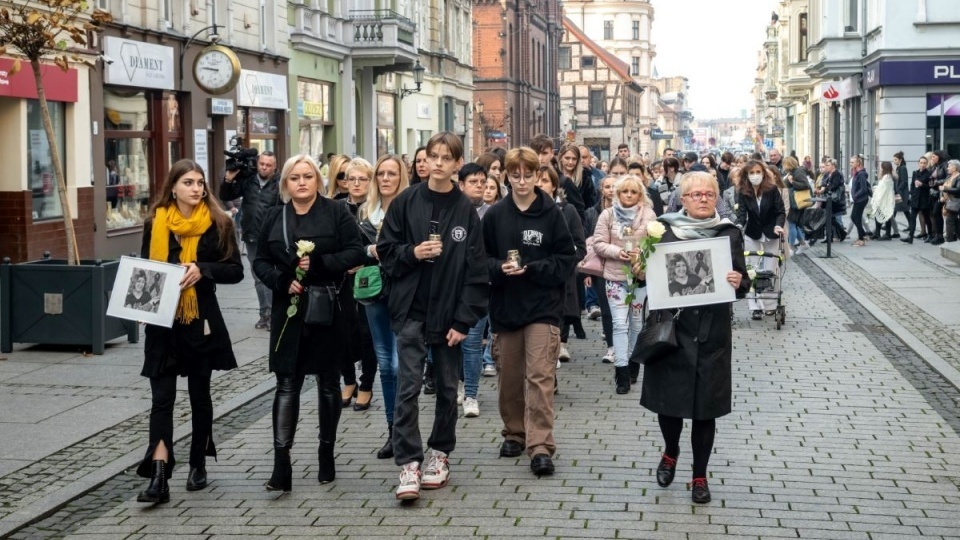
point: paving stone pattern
(828, 439)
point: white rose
(304, 247)
(655, 229)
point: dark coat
(459, 287)
(797, 180)
(920, 196)
(860, 190)
(760, 220)
(902, 187)
(256, 201)
(184, 349)
(834, 188)
(333, 229)
(695, 381)
(571, 300)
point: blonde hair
(790, 163)
(288, 168)
(634, 181)
(691, 178)
(337, 162)
(373, 196)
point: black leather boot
(329, 413)
(386, 451)
(197, 479)
(157, 491)
(282, 477)
(623, 379)
(634, 372)
(286, 412)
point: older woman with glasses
(695, 380)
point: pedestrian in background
(259, 192)
(526, 305)
(695, 380)
(860, 192)
(337, 187)
(798, 182)
(597, 283)
(762, 216)
(187, 226)
(882, 202)
(919, 204)
(297, 347)
(951, 200)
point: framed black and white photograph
(146, 291)
(690, 273)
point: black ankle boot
(634, 372)
(197, 479)
(157, 491)
(328, 468)
(282, 477)
(622, 377)
(386, 451)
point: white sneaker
(610, 356)
(409, 489)
(594, 313)
(471, 409)
(437, 473)
(564, 353)
(489, 370)
(460, 393)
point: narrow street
(839, 430)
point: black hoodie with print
(547, 251)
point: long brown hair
(221, 220)
(746, 189)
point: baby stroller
(767, 277)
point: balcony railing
(381, 28)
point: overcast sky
(714, 44)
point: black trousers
(164, 395)
(286, 405)
(599, 286)
(447, 363)
(856, 215)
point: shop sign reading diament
(135, 63)
(261, 89)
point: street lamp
(417, 78)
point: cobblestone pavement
(838, 432)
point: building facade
(624, 28)
(600, 101)
(515, 48)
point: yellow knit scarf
(167, 220)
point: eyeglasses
(358, 180)
(700, 195)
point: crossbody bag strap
(286, 238)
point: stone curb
(45, 506)
(933, 359)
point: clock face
(215, 71)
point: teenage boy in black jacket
(526, 307)
(438, 292)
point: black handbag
(321, 302)
(657, 339)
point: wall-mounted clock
(216, 69)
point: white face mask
(755, 179)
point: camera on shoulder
(241, 159)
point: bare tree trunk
(73, 252)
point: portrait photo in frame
(690, 273)
(146, 291)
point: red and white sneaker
(437, 472)
(409, 488)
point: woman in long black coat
(298, 349)
(694, 381)
(920, 203)
(187, 227)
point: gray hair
(955, 163)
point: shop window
(945, 107)
(43, 180)
(315, 113)
(259, 128)
(423, 136)
(386, 128)
(128, 157)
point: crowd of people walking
(437, 272)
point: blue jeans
(472, 358)
(385, 345)
(796, 234)
(590, 298)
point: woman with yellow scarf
(187, 227)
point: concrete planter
(50, 302)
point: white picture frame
(707, 263)
(146, 291)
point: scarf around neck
(188, 230)
(624, 216)
(688, 228)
